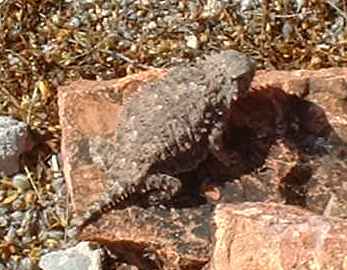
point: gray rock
(14, 140)
(213, 7)
(192, 42)
(249, 5)
(75, 258)
(21, 181)
(25, 264)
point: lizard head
(232, 72)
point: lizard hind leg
(161, 188)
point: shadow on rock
(283, 149)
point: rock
(317, 181)
(21, 181)
(290, 146)
(176, 239)
(261, 158)
(192, 42)
(75, 258)
(289, 138)
(270, 236)
(286, 140)
(14, 141)
(213, 8)
(87, 109)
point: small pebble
(3, 221)
(25, 264)
(75, 22)
(14, 141)
(152, 25)
(3, 210)
(212, 8)
(78, 257)
(55, 234)
(13, 60)
(192, 42)
(21, 181)
(17, 217)
(11, 234)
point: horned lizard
(169, 128)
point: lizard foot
(162, 187)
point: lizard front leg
(217, 146)
(162, 187)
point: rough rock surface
(14, 141)
(81, 256)
(318, 180)
(254, 236)
(155, 238)
(287, 139)
(88, 109)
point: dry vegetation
(46, 43)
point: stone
(88, 109)
(177, 239)
(317, 181)
(252, 236)
(14, 141)
(290, 132)
(192, 42)
(287, 137)
(213, 8)
(78, 257)
(21, 181)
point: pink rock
(87, 109)
(260, 236)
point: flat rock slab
(286, 138)
(268, 236)
(320, 176)
(326, 88)
(176, 238)
(88, 109)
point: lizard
(169, 128)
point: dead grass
(40, 50)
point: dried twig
(10, 96)
(29, 175)
(338, 10)
(117, 54)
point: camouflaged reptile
(169, 128)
